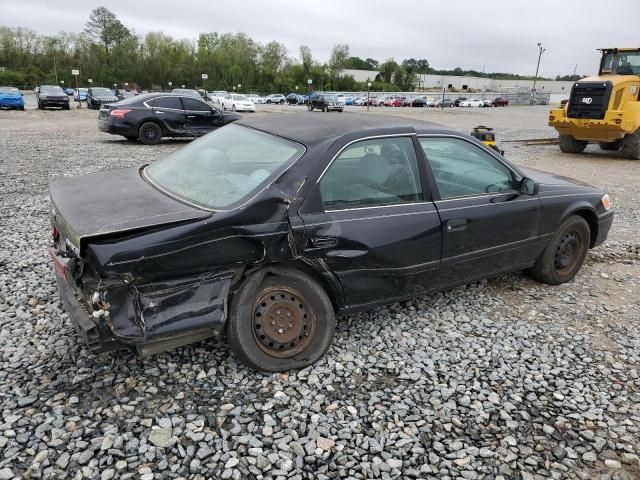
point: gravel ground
(505, 378)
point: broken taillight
(119, 112)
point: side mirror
(528, 186)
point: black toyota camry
(271, 227)
(150, 117)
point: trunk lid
(110, 202)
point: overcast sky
(497, 35)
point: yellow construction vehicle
(486, 136)
(604, 108)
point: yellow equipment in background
(604, 108)
(486, 136)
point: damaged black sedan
(270, 227)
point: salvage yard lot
(505, 377)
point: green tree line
(108, 52)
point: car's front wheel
(565, 253)
(150, 133)
(280, 321)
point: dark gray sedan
(271, 227)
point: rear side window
(168, 102)
(195, 104)
(382, 171)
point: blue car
(80, 95)
(69, 91)
(11, 97)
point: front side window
(225, 167)
(382, 171)
(462, 169)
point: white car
(275, 98)
(238, 103)
(218, 95)
(472, 102)
(256, 98)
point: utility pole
(575, 69)
(535, 79)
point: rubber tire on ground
(40, 107)
(144, 130)
(268, 101)
(240, 321)
(568, 144)
(611, 146)
(630, 147)
(67, 107)
(544, 270)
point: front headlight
(606, 202)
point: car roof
(309, 128)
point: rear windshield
(225, 167)
(13, 91)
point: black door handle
(456, 225)
(323, 242)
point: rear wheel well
(333, 291)
(592, 220)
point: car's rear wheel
(279, 322)
(565, 253)
(630, 147)
(568, 144)
(150, 133)
(611, 146)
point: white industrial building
(474, 83)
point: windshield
(51, 89)
(622, 63)
(13, 91)
(240, 98)
(82, 90)
(101, 91)
(224, 167)
(330, 98)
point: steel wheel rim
(567, 252)
(283, 325)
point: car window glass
(382, 171)
(168, 102)
(461, 168)
(194, 104)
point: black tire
(150, 133)
(268, 101)
(325, 109)
(611, 146)
(280, 296)
(131, 138)
(281, 102)
(565, 253)
(40, 107)
(233, 108)
(630, 147)
(67, 107)
(568, 144)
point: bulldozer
(604, 109)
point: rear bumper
(107, 125)
(97, 338)
(611, 128)
(604, 225)
(150, 319)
